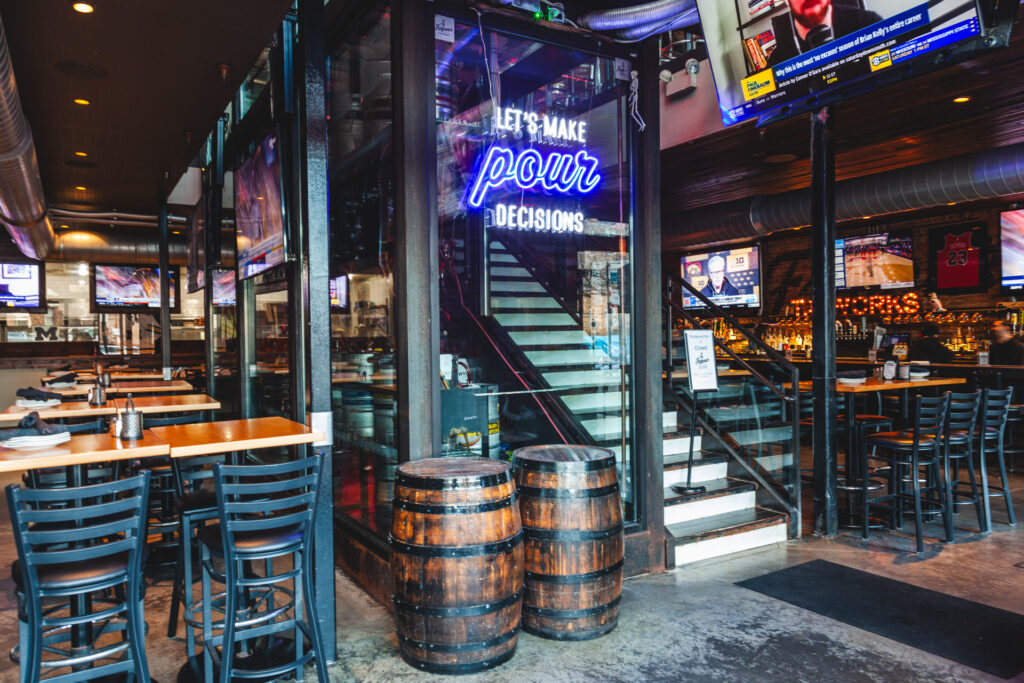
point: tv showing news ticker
(773, 58)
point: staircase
(747, 461)
(579, 369)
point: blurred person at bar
(1005, 349)
(812, 23)
(928, 347)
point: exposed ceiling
(152, 74)
(902, 125)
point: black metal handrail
(788, 393)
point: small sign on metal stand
(702, 375)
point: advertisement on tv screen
(766, 54)
(259, 211)
(339, 292)
(197, 247)
(223, 287)
(727, 278)
(20, 285)
(130, 287)
(1012, 239)
(883, 261)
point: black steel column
(165, 285)
(315, 276)
(823, 278)
(417, 306)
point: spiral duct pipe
(643, 30)
(983, 175)
(651, 13)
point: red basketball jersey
(958, 263)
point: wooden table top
(83, 449)
(13, 414)
(682, 374)
(145, 387)
(178, 403)
(889, 384)
(115, 376)
(208, 438)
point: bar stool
(958, 441)
(80, 547)
(995, 409)
(902, 452)
(265, 514)
(1013, 447)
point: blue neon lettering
(558, 172)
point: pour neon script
(528, 168)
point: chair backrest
(930, 414)
(191, 473)
(963, 411)
(181, 419)
(91, 427)
(995, 408)
(74, 525)
(266, 497)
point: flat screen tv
(130, 289)
(1011, 239)
(197, 246)
(22, 287)
(729, 278)
(259, 209)
(772, 58)
(884, 261)
(223, 287)
(339, 292)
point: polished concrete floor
(689, 624)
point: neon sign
(557, 172)
(514, 217)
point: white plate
(61, 385)
(853, 381)
(41, 441)
(918, 379)
(26, 403)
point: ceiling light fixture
(63, 226)
(962, 99)
(950, 203)
(80, 188)
(83, 7)
(82, 101)
(81, 154)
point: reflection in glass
(534, 220)
(361, 168)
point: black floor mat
(978, 636)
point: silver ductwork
(643, 30)
(23, 206)
(971, 177)
(654, 13)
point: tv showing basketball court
(883, 261)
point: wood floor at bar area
(692, 623)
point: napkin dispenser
(131, 422)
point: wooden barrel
(572, 530)
(456, 563)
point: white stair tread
(516, 286)
(531, 319)
(513, 302)
(544, 359)
(536, 337)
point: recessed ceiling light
(83, 7)
(80, 188)
(82, 101)
(81, 154)
(950, 203)
(63, 226)
(175, 232)
(865, 218)
(961, 99)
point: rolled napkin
(37, 394)
(37, 425)
(852, 374)
(69, 378)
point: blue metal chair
(266, 514)
(79, 579)
(992, 420)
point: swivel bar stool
(265, 514)
(79, 579)
(906, 452)
(995, 409)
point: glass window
(361, 163)
(535, 222)
(255, 83)
(271, 384)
